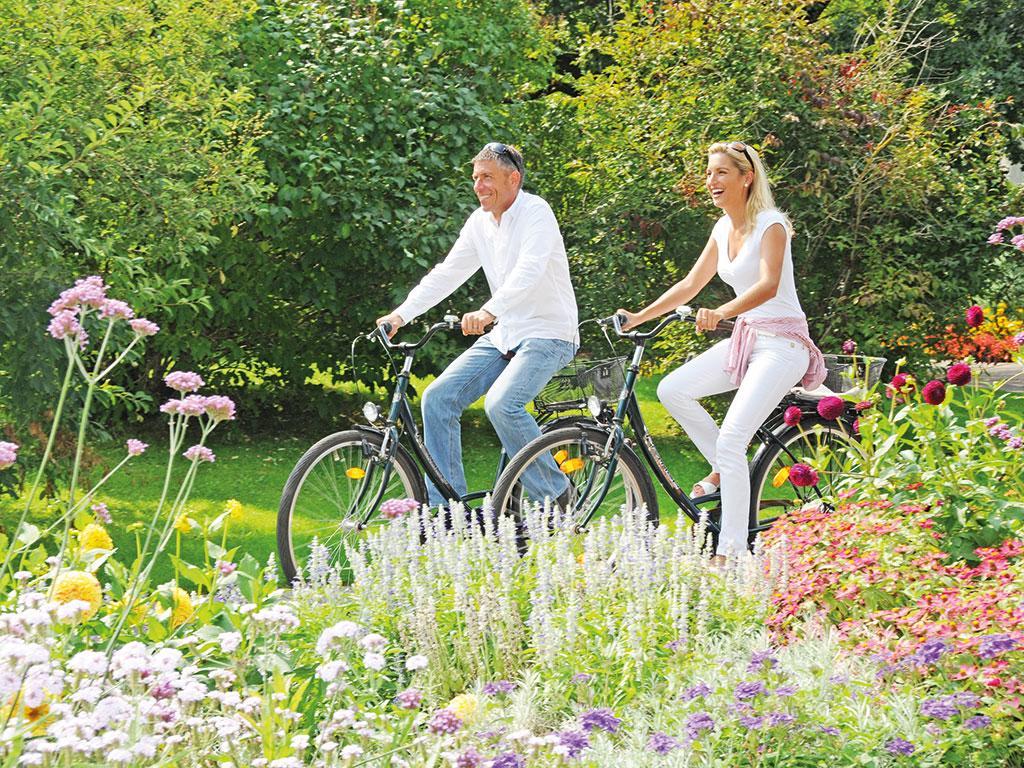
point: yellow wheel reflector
(561, 456)
(780, 477)
(571, 465)
(355, 473)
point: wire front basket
(569, 388)
(845, 373)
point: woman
(770, 350)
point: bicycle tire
(636, 489)
(316, 493)
(813, 441)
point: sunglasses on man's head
(505, 150)
(739, 146)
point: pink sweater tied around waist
(744, 335)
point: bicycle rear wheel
(818, 443)
(577, 452)
(329, 492)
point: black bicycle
(339, 484)
(607, 474)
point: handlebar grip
(386, 327)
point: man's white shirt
(527, 272)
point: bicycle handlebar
(383, 332)
(680, 314)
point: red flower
(802, 475)
(863, 405)
(975, 316)
(831, 408)
(959, 374)
(934, 392)
(792, 416)
(856, 426)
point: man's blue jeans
(510, 385)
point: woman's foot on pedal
(707, 486)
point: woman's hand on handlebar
(632, 319)
(394, 320)
(708, 319)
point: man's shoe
(568, 498)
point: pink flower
(8, 454)
(102, 513)
(900, 382)
(995, 238)
(199, 453)
(226, 568)
(934, 392)
(1019, 339)
(975, 316)
(862, 406)
(171, 406)
(113, 309)
(803, 475)
(959, 374)
(65, 323)
(792, 415)
(394, 508)
(184, 381)
(193, 405)
(144, 327)
(831, 408)
(220, 408)
(1018, 242)
(89, 291)
(849, 346)
(856, 426)
(136, 447)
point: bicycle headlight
(371, 412)
(594, 405)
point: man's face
(495, 185)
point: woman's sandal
(707, 486)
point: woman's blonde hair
(759, 195)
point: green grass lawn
(254, 471)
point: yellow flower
(79, 585)
(183, 524)
(234, 509)
(464, 705)
(183, 608)
(37, 716)
(94, 536)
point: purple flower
(959, 374)
(976, 722)
(784, 691)
(394, 508)
(748, 690)
(849, 346)
(993, 645)
(759, 659)
(899, 746)
(941, 708)
(410, 698)
(698, 691)
(600, 718)
(469, 759)
(199, 453)
(8, 454)
(574, 742)
(581, 677)
(507, 760)
(803, 475)
(974, 315)
(101, 513)
(753, 722)
(697, 723)
(780, 718)
(1015, 443)
(226, 568)
(661, 743)
(831, 408)
(792, 415)
(184, 381)
(965, 699)
(991, 421)
(136, 447)
(444, 721)
(829, 730)
(497, 687)
(930, 651)
(1019, 339)
(163, 690)
(934, 392)
(144, 327)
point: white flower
(229, 641)
(374, 661)
(300, 742)
(91, 663)
(351, 750)
(416, 662)
(167, 659)
(73, 610)
(119, 755)
(373, 642)
(331, 634)
(329, 671)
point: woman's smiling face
(726, 183)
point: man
(513, 235)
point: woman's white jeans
(776, 365)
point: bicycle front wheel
(329, 493)
(577, 453)
(820, 444)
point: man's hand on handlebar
(394, 320)
(475, 323)
(631, 319)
